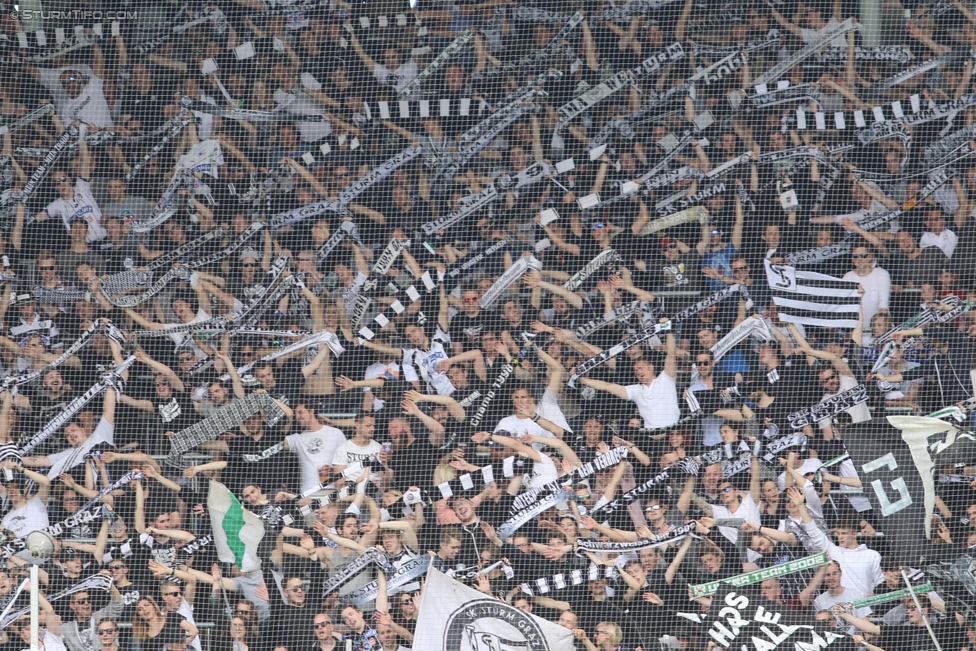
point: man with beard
(47, 400)
(414, 460)
(173, 408)
(315, 447)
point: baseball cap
(668, 242)
(250, 253)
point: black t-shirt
(466, 330)
(171, 632)
(176, 412)
(415, 464)
(267, 471)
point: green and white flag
(236, 531)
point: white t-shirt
(946, 240)
(424, 363)
(543, 472)
(186, 610)
(314, 450)
(49, 641)
(657, 403)
(90, 107)
(349, 453)
(81, 206)
(67, 459)
(398, 78)
(826, 601)
(877, 292)
(30, 517)
(748, 509)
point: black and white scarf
(507, 279)
(607, 355)
(378, 174)
(99, 582)
(157, 149)
(605, 258)
(50, 159)
(407, 573)
(770, 40)
(806, 52)
(527, 513)
(694, 214)
(503, 374)
(31, 117)
(600, 463)
(354, 567)
(892, 53)
(623, 312)
(224, 419)
(819, 254)
(829, 407)
(672, 536)
(635, 494)
(592, 96)
(681, 201)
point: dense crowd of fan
(182, 232)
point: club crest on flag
(492, 625)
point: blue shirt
(721, 261)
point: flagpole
(35, 608)
(925, 620)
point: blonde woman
(607, 638)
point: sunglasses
(653, 507)
(62, 179)
(827, 379)
(860, 256)
(912, 607)
(408, 600)
(249, 265)
(106, 631)
(242, 612)
(737, 269)
(49, 267)
(296, 589)
(162, 384)
(469, 300)
(323, 624)
(176, 593)
(82, 602)
(596, 226)
(69, 80)
(715, 231)
(727, 489)
(115, 567)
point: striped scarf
(225, 419)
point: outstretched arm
(600, 385)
